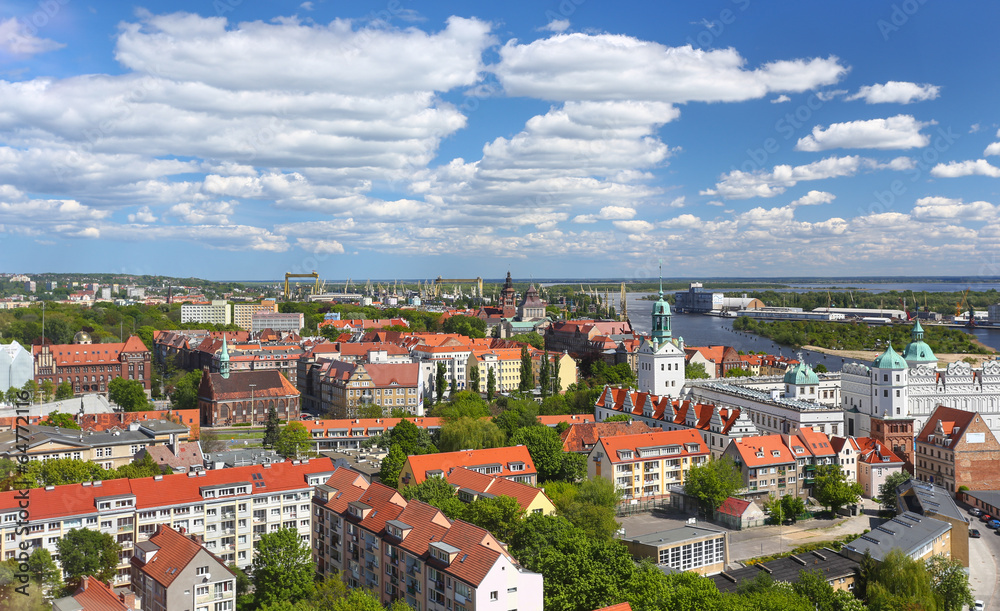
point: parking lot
(983, 572)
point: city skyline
(223, 140)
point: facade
(346, 387)
(243, 312)
(645, 465)
(110, 449)
(216, 312)
(697, 299)
(811, 449)
(576, 336)
(90, 367)
(771, 412)
(768, 466)
(561, 362)
(688, 548)
(532, 307)
(230, 508)
(717, 426)
(875, 464)
(16, 366)
(513, 463)
(956, 448)
(245, 397)
(276, 321)
(912, 385)
(409, 550)
(717, 360)
(173, 571)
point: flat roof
(828, 562)
(675, 535)
(908, 531)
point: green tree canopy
(282, 569)
(392, 464)
(469, 326)
(950, 582)
(712, 482)
(491, 384)
(897, 582)
(469, 434)
(61, 420)
(695, 371)
(527, 376)
(887, 491)
(129, 395)
(271, 429)
(88, 552)
(293, 440)
(516, 414)
(832, 488)
(545, 447)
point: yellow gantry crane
(313, 275)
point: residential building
(876, 463)
(277, 321)
(172, 570)
(375, 539)
(912, 385)
(472, 485)
(717, 426)
(956, 448)
(243, 312)
(229, 507)
(583, 437)
(513, 463)
(245, 396)
(90, 367)
(110, 449)
(216, 312)
(767, 465)
(182, 458)
(645, 465)
(559, 362)
(717, 360)
(575, 336)
(811, 449)
(94, 595)
(455, 360)
(687, 548)
(838, 570)
(345, 387)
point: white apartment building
(216, 312)
(230, 508)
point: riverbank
(864, 355)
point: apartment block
(409, 550)
(276, 321)
(513, 463)
(243, 312)
(216, 312)
(345, 387)
(647, 464)
(767, 465)
(229, 508)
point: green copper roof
(889, 359)
(662, 306)
(801, 374)
(918, 332)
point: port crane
(313, 275)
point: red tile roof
(267, 383)
(90, 354)
(618, 607)
(733, 506)
(176, 551)
(612, 445)
(524, 494)
(389, 374)
(872, 451)
(446, 461)
(95, 595)
(816, 442)
(953, 424)
(772, 450)
(583, 437)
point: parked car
(986, 517)
(973, 533)
(975, 511)
(979, 606)
(994, 524)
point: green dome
(917, 351)
(801, 374)
(889, 359)
(662, 306)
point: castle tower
(660, 362)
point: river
(702, 330)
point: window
(494, 595)
(201, 570)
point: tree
(556, 382)
(527, 377)
(545, 447)
(590, 505)
(832, 488)
(88, 552)
(469, 326)
(466, 404)
(211, 442)
(63, 421)
(47, 389)
(574, 467)
(897, 582)
(619, 418)
(43, 569)
(271, 431)
(820, 368)
(439, 381)
(469, 434)
(143, 467)
(793, 506)
(474, 377)
(950, 581)
(500, 515)
(434, 491)
(713, 482)
(491, 384)
(64, 391)
(392, 464)
(129, 395)
(293, 440)
(60, 471)
(185, 391)
(370, 410)
(282, 569)
(31, 387)
(452, 387)
(887, 491)
(517, 414)
(738, 372)
(695, 371)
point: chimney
(128, 599)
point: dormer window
(775, 453)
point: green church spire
(224, 359)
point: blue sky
(239, 140)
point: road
(983, 572)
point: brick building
(957, 448)
(246, 396)
(90, 367)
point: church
(660, 358)
(898, 392)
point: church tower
(224, 359)
(889, 388)
(660, 362)
(508, 298)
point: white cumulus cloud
(899, 132)
(898, 92)
(955, 169)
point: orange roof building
(91, 367)
(645, 465)
(513, 463)
(246, 397)
(768, 466)
(957, 448)
(171, 570)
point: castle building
(660, 359)
(907, 388)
